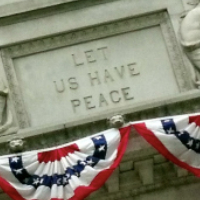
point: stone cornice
(43, 137)
(9, 9)
(27, 10)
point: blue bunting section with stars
(184, 137)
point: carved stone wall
(96, 32)
(51, 26)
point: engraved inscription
(114, 96)
(108, 75)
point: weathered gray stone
(126, 166)
(145, 170)
(129, 180)
(112, 184)
(159, 159)
(180, 171)
(43, 41)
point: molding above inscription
(113, 28)
(87, 34)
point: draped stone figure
(190, 40)
(5, 113)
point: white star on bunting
(170, 130)
(36, 181)
(190, 143)
(90, 162)
(18, 171)
(15, 159)
(102, 148)
(98, 137)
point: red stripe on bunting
(9, 190)
(83, 191)
(155, 142)
(56, 154)
(195, 119)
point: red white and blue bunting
(74, 170)
(71, 171)
(177, 138)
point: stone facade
(68, 65)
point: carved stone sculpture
(16, 144)
(190, 40)
(116, 121)
(5, 114)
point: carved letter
(117, 99)
(120, 73)
(73, 83)
(126, 94)
(108, 76)
(102, 100)
(88, 102)
(94, 78)
(132, 69)
(75, 61)
(103, 50)
(90, 56)
(62, 89)
(75, 103)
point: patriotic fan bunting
(177, 138)
(74, 170)
(71, 171)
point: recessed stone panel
(94, 71)
(93, 77)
